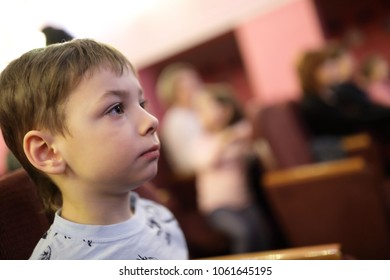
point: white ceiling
(145, 30)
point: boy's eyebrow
(122, 93)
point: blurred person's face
(188, 84)
(213, 115)
(380, 70)
(326, 74)
(346, 67)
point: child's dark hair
(33, 93)
(224, 94)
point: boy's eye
(116, 109)
(143, 103)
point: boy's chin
(145, 180)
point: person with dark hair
(55, 35)
(317, 74)
(353, 100)
(334, 104)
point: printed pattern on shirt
(158, 221)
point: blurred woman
(177, 85)
(318, 76)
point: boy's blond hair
(33, 93)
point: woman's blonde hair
(167, 81)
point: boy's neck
(98, 211)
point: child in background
(74, 116)
(220, 163)
(376, 80)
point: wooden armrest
(356, 142)
(313, 172)
(319, 252)
(363, 145)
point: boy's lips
(152, 152)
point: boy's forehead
(105, 67)
(110, 80)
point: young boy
(74, 116)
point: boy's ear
(42, 154)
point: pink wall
(163, 28)
(270, 46)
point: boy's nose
(149, 124)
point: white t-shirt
(179, 129)
(151, 233)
